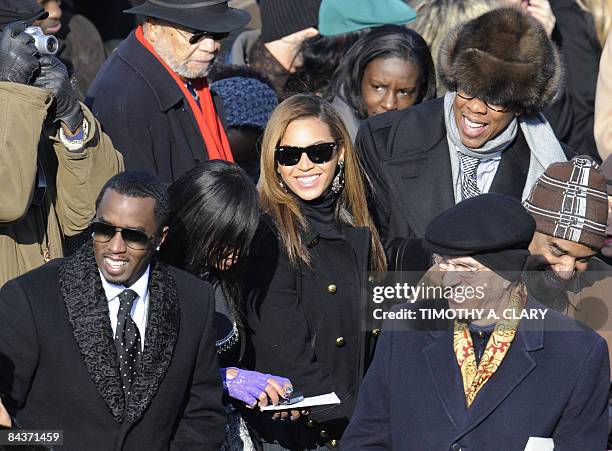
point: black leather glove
(18, 60)
(54, 77)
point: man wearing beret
(53, 157)
(486, 135)
(489, 381)
(152, 96)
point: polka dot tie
(469, 168)
(127, 340)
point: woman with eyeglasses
(314, 245)
(213, 219)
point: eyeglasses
(317, 153)
(465, 271)
(194, 37)
(497, 108)
(133, 238)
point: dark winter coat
(145, 113)
(309, 325)
(552, 383)
(60, 371)
(406, 157)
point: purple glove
(248, 385)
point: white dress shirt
(140, 308)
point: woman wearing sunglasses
(213, 219)
(314, 245)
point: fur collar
(88, 314)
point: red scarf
(209, 123)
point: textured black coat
(145, 113)
(308, 325)
(59, 368)
(406, 156)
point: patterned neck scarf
(476, 376)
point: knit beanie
(569, 201)
(20, 10)
(280, 18)
(345, 16)
(246, 101)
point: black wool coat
(59, 368)
(145, 113)
(310, 324)
(406, 157)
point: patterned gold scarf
(476, 376)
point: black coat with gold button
(309, 324)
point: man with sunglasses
(485, 135)
(109, 345)
(152, 96)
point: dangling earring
(282, 184)
(338, 182)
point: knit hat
(280, 18)
(606, 170)
(247, 101)
(504, 57)
(491, 228)
(569, 201)
(20, 10)
(342, 16)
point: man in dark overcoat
(486, 135)
(109, 345)
(152, 97)
(498, 370)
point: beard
(181, 68)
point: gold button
(310, 424)
(323, 433)
(334, 443)
(481, 334)
(332, 288)
(376, 332)
(340, 342)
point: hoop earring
(338, 182)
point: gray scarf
(543, 144)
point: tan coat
(603, 103)
(31, 234)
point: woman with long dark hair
(214, 216)
(314, 244)
(388, 68)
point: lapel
(423, 184)
(88, 314)
(511, 174)
(170, 99)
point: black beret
(20, 10)
(493, 229)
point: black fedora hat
(202, 15)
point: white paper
(320, 400)
(540, 444)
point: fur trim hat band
(569, 201)
(504, 57)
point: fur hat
(569, 201)
(504, 57)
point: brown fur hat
(503, 57)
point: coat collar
(87, 308)
(163, 86)
(444, 370)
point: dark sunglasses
(195, 36)
(317, 153)
(133, 238)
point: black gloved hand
(18, 60)
(54, 77)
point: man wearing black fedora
(152, 97)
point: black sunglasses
(133, 238)
(197, 35)
(317, 153)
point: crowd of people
(201, 212)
